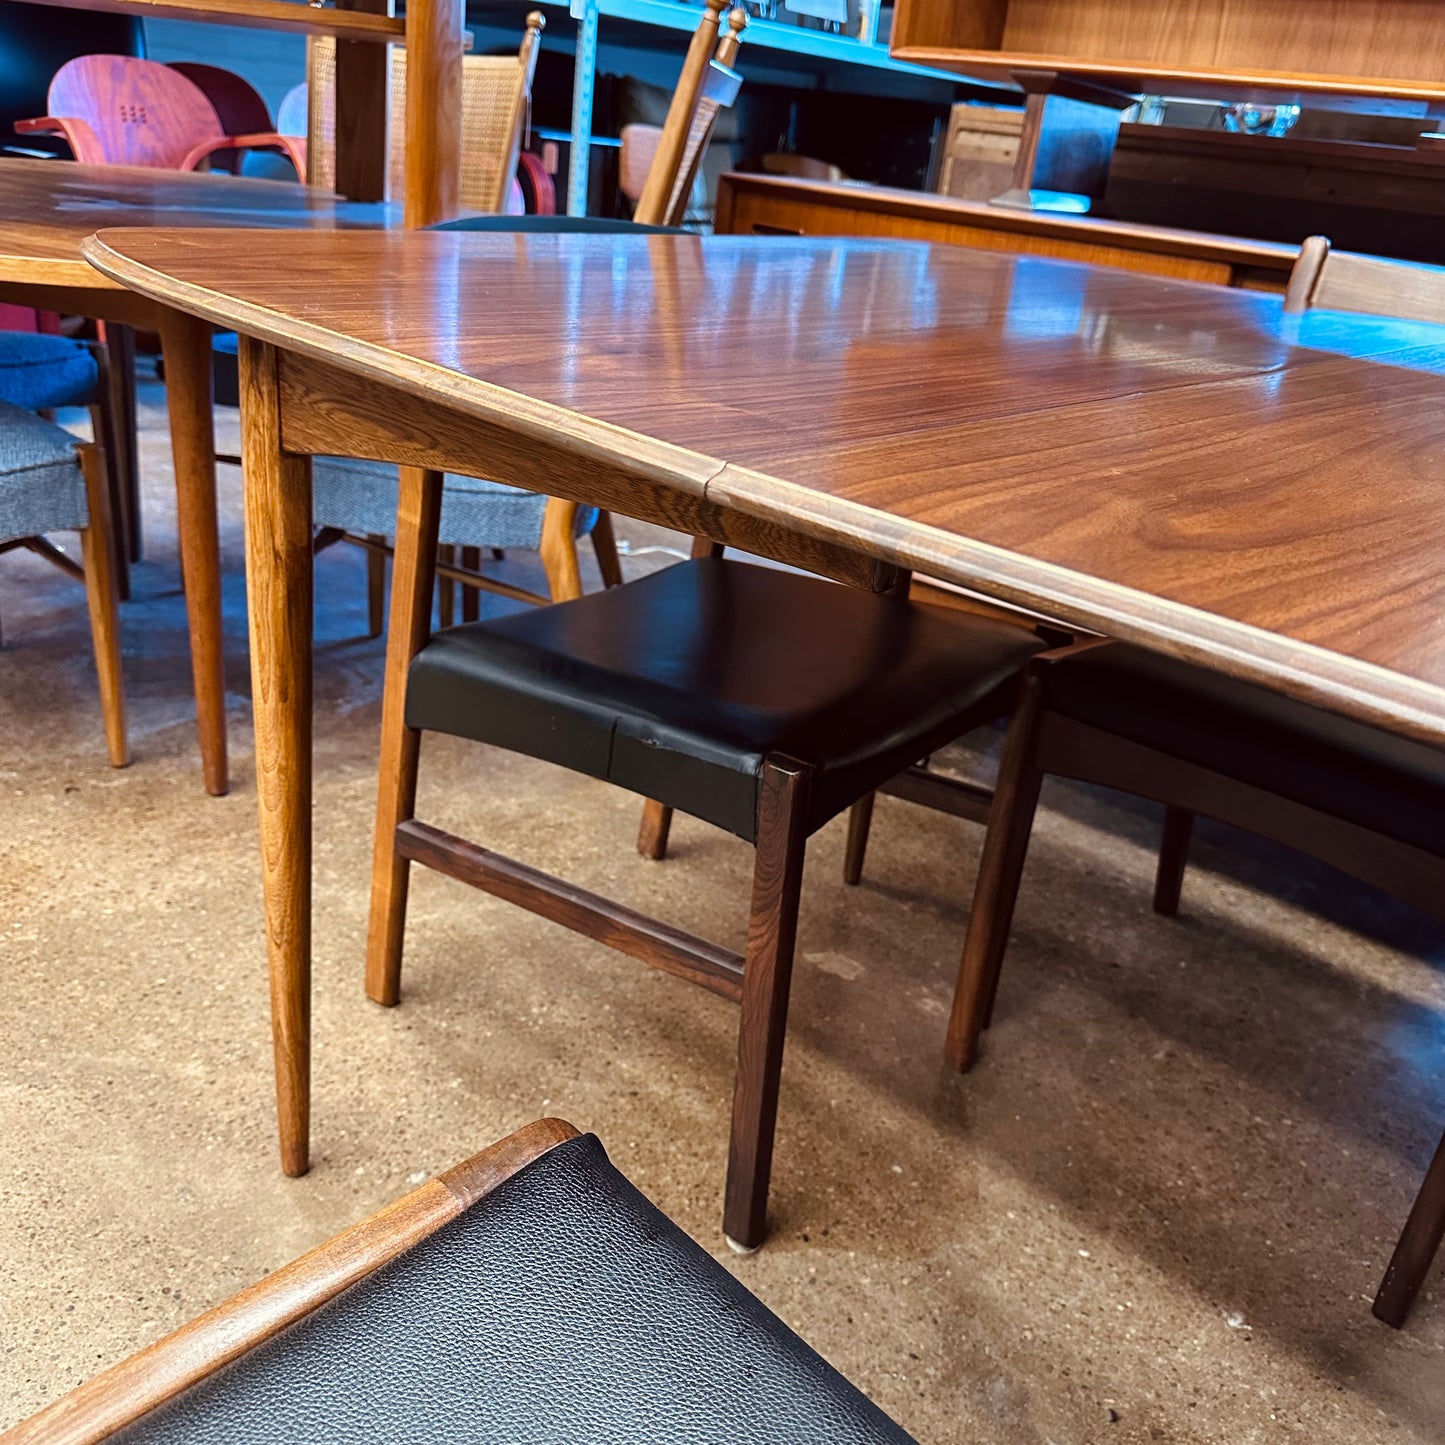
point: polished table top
(1177, 464)
(47, 208)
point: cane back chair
(355, 500)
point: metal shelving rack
(683, 16)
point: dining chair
(760, 700)
(40, 371)
(496, 101)
(528, 1296)
(242, 112)
(1367, 801)
(50, 482)
(124, 111)
(355, 501)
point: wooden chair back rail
(1346, 281)
(496, 92)
(707, 83)
(124, 1393)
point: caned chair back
(496, 90)
(1347, 281)
(707, 85)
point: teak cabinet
(1390, 48)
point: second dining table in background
(47, 208)
(1177, 465)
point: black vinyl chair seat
(562, 1307)
(678, 685)
(1389, 784)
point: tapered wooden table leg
(279, 587)
(187, 345)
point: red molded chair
(118, 110)
(241, 110)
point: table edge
(1330, 679)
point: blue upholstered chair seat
(41, 485)
(38, 371)
(359, 496)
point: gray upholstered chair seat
(39, 371)
(41, 486)
(359, 496)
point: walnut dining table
(47, 208)
(1179, 465)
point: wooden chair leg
(559, 550)
(1010, 821)
(767, 977)
(1173, 859)
(375, 584)
(860, 820)
(446, 588)
(98, 552)
(124, 463)
(413, 574)
(652, 834)
(471, 596)
(1417, 1248)
(106, 433)
(604, 544)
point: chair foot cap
(741, 1248)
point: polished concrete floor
(1156, 1211)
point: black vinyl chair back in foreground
(529, 1296)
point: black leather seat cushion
(1363, 774)
(678, 685)
(561, 1308)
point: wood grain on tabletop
(1179, 464)
(47, 208)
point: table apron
(328, 411)
(98, 302)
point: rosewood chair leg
(860, 820)
(375, 585)
(413, 573)
(1010, 821)
(653, 832)
(604, 544)
(767, 977)
(1417, 1248)
(1173, 859)
(98, 553)
(471, 596)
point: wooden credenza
(757, 205)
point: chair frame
(1043, 742)
(759, 981)
(126, 1392)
